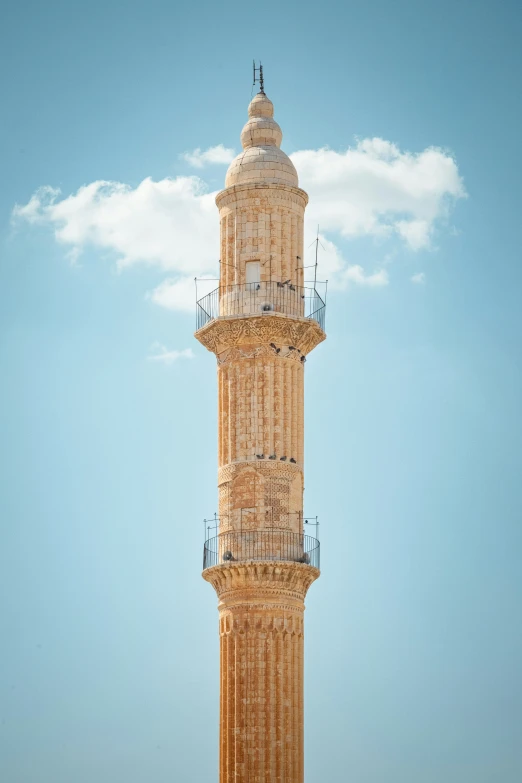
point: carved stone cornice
(261, 582)
(226, 332)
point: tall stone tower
(261, 323)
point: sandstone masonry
(261, 334)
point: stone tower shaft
(261, 323)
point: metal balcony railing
(279, 545)
(261, 299)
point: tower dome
(262, 160)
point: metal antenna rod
(259, 78)
(316, 242)
(316, 251)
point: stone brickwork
(265, 223)
(260, 364)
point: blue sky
(109, 667)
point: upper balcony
(261, 298)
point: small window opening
(253, 272)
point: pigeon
(283, 459)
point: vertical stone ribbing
(261, 736)
(261, 643)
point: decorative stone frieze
(266, 468)
(232, 331)
(285, 353)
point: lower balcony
(279, 545)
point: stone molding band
(260, 607)
(229, 196)
(265, 467)
(246, 582)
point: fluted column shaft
(261, 670)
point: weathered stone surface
(260, 358)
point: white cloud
(417, 233)
(180, 293)
(218, 154)
(170, 224)
(175, 294)
(356, 274)
(32, 210)
(337, 271)
(159, 353)
(419, 278)
(373, 189)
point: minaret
(261, 323)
